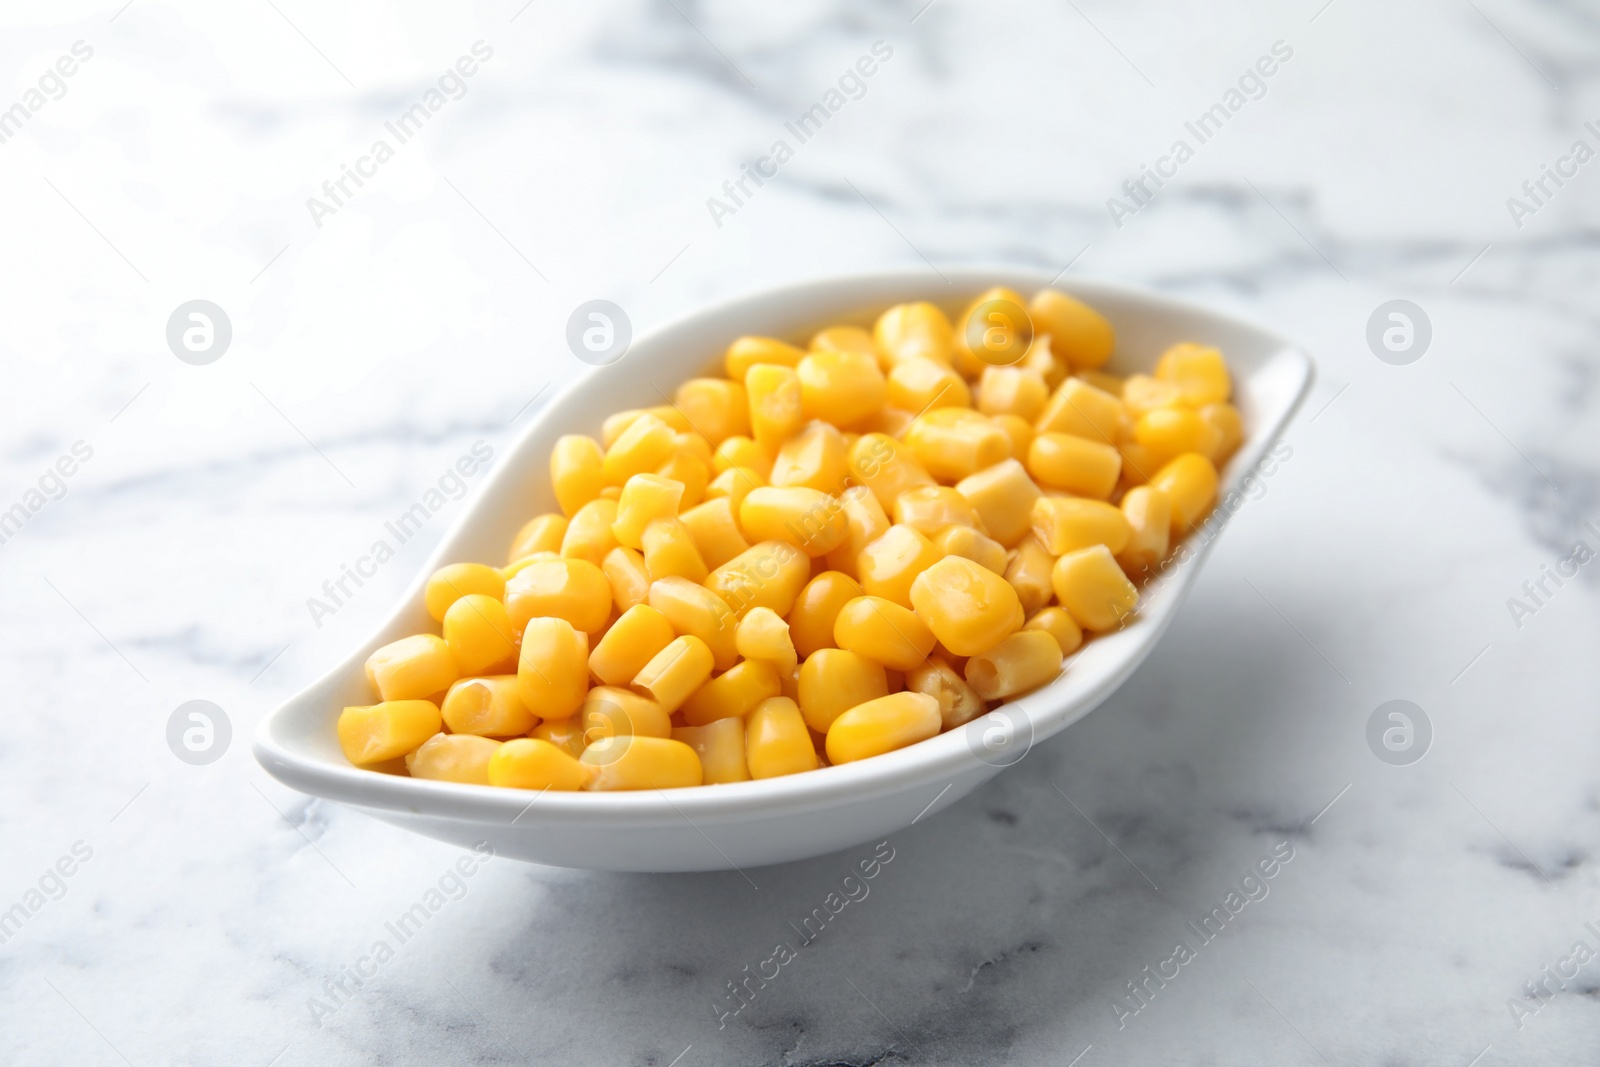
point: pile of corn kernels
(827, 554)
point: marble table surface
(1419, 544)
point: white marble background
(370, 352)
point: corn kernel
(612, 427)
(812, 617)
(541, 534)
(814, 458)
(882, 725)
(886, 467)
(969, 543)
(577, 471)
(453, 758)
(917, 385)
(914, 331)
(641, 763)
(884, 632)
(694, 609)
(1001, 337)
(1138, 463)
(865, 522)
(1076, 464)
(952, 443)
(487, 706)
(889, 421)
(808, 519)
(386, 731)
(511, 570)
(553, 671)
(589, 535)
(1065, 524)
(669, 551)
(1018, 430)
(412, 668)
(565, 734)
(633, 641)
(732, 485)
(768, 575)
(645, 498)
(931, 508)
(762, 634)
(1190, 484)
(530, 763)
(1107, 383)
(674, 672)
(1012, 391)
(746, 352)
(1199, 373)
(741, 453)
(1170, 432)
(958, 703)
(777, 741)
(690, 471)
(721, 748)
(571, 589)
(629, 579)
(1225, 419)
(609, 711)
(1142, 394)
(479, 633)
(645, 445)
(889, 565)
(455, 580)
(1093, 588)
(1059, 624)
(1149, 515)
(715, 407)
(714, 531)
(1029, 574)
(969, 609)
(842, 387)
(844, 339)
(733, 692)
(775, 410)
(1082, 410)
(832, 681)
(1024, 661)
(1003, 497)
(1078, 333)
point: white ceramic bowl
(749, 824)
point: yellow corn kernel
(882, 725)
(1138, 463)
(1190, 484)
(952, 443)
(541, 534)
(565, 734)
(999, 337)
(776, 405)
(1170, 432)
(1059, 624)
(611, 493)
(1076, 464)
(732, 693)
(914, 331)
(386, 731)
(733, 484)
(629, 579)
(1018, 429)
(930, 508)
(1003, 497)
(1108, 383)
(455, 580)
(1149, 515)
(714, 531)
(816, 609)
(669, 551)
(487, 706)
(958, 703)
(1225, 419)
(762, 634)
(1024, 661)
(571, 589)
(884, 632)
(1043, 362)
(844, 388)
(631, 642)
(814, 458)
(612, 427)
(694, 609)
(844, 339)
(865, 522)
(641, 763)
(412, 668)
(886, 466)
(453, 758)
(553, 671)
(511, 570)
(670, 415)
(674, 672)
(1082, 410)
(645, 498)
(1198, 371)
(889, 421)
(609, 711)
(479, 633)
(720, 746)
(715, 407)
(968, 608)
(589, 535)
(1065, 524)
(577, 471)
(832, 681)
(1012, 391)
(1142, 394)
(741, 453)
(777, 741)
(768, 575)
(1028, 573)
(808, 519)
(889, 565)
(746, 352)
(1093, 588)
(531, 763)
(1078, 333)
(689, 470)
(645, 445)
(971, 544)
(917, 385)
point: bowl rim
(942, 757)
